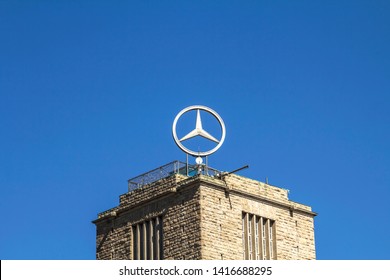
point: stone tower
(179, 211)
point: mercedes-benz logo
(198, 131)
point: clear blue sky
(89, 91)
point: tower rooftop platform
(182, 211)
(167, 170)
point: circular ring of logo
(203, 108)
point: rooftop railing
(174, 167)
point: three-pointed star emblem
(199, 131)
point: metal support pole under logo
(187, 164)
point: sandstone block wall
(202, 218)
(222, 205)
